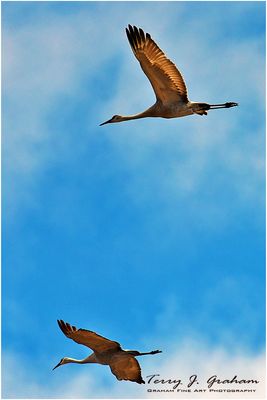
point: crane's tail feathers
(139, 380)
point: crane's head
(115, 118)
(64, 360)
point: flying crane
(166, 80)
(122, 363)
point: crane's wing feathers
(166, 80)
(88, 338)
(125, 367)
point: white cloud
(43, 64)
(194, 358)
(189, 357)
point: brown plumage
(107, 352)
(166, 80)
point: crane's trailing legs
(202, 108)
(224, 105)
(137, 353)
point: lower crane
(122, 363)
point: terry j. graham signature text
(212, 384)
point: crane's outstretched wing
(125, 367)
(166, 80)
(88, 338)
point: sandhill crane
(107, 352)
(167, 82)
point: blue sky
(150, 232)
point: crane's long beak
(107, 122)
(57, 366)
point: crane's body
(106, 352)
(166, 80)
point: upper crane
(167, 82)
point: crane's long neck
(87, 360)
(150, 112)
(68, 360)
